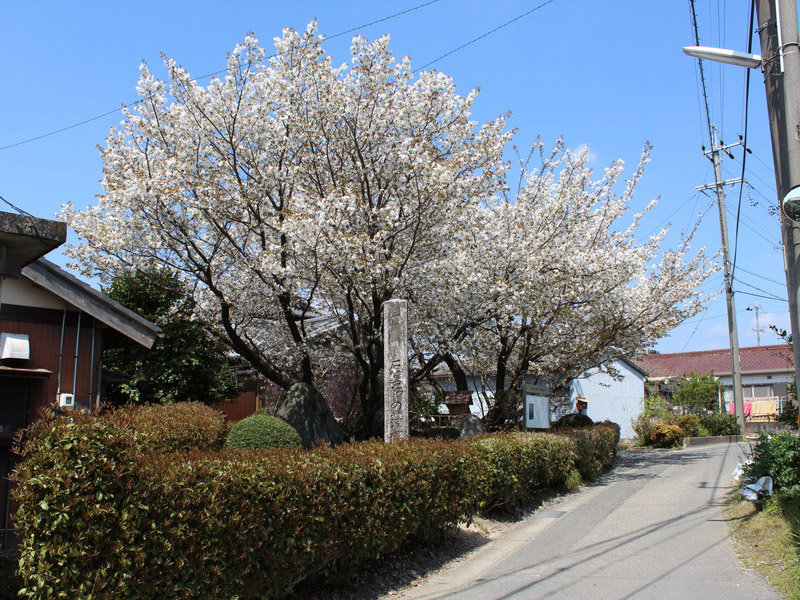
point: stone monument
(395, 370)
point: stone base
(711, 439)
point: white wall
(18, 290)
(609, 399)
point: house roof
(24, 238)
(752, 360)
(94, 303)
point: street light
(730, 57)
(780, 62)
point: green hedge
(511, 468)
(181, 426)
(100, 518)
(596, 447)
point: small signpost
(395, 370)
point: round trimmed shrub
(573, 420)
(666, 436)
(262, 431)
(690, 425)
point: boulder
(305, 409)
(470, 426)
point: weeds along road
(652, 528)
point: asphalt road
(651, 528)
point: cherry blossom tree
(293, 197)
(552, 282)
(292, 193)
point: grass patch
(768, 540)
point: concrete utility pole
(719, 186)
(757, 308)
(777, 29)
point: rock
(470, 426)
(304, 409)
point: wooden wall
(244, 405)
(44, 327)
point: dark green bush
(789, 414)
(666, 436)
(182, 426)
(721, 424)
(102, 517)
(10, 583)
(690, 424)
(263, 431)
(777, 456)
(573, 420)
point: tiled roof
(756, 359)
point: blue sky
(608, 74)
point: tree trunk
(506, 412)
(458, 373)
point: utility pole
(757, 308)
(713, 155)
(780, 49)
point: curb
(712, 439)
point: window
(758, 391)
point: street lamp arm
(730, 57)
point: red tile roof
(757, 359)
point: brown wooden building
(53, 328)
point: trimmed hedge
(513, 467)
(263, 431)
(596, 447)
(182, 426)
(100, 518)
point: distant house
(766, 371)
(618, 398)
(53, 328)
(599, 395)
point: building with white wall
(766, 371)
(616, 397)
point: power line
(365, 25)
(744, 139)
(700, 66)
(483, 35)
(770, 295)
(762, 277)
(134, 103)
(760, 296)
(17, 208)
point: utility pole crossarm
(713, 186)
